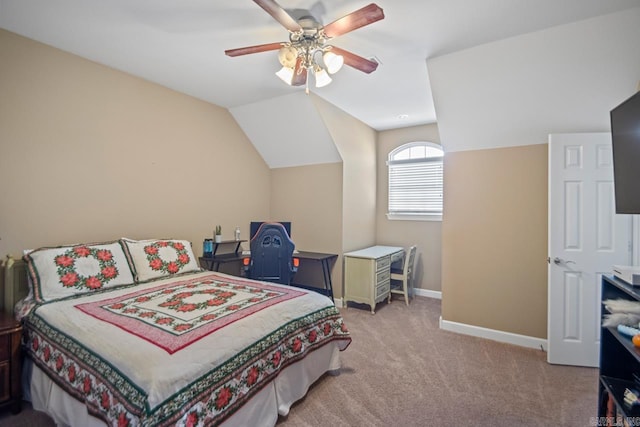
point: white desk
(367, 274)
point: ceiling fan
(307, 50)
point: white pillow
(151, 259)
(69, 270)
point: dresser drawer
(5, 347)
(383, 263)
(382, 289)
(10, 386)
(5, 381)
(382, 276)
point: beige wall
(426, 235)
(332, 206)
(356, 143)
(494, 234)
(88, 153)
(311, 198)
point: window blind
(415, 186)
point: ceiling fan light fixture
(307, 50)
(286, 75)
(322, 78)
(287, 56)
(333, 62)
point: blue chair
(271, 255)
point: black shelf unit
(216, 245)
(619, 360)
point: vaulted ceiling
(497, 72)
(181, 44)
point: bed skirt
(262, 409)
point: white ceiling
(279, 143)
(517, 91)
(180, 44)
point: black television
(254, 225)
(625, 136)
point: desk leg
(327, 278)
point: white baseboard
(427, 293)
(492, 334)
(476, 331)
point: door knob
(558, 261)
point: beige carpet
(401, 370)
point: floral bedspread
(185, 351)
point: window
(415, 181)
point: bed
(135, 333)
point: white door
(586, 238)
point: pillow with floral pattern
(152, 259)
(64, 271)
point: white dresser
(367, 274)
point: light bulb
(286, 75)
(287, 56)
(332, 61)
(322, 78)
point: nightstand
(10, 387)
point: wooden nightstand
(10, 386)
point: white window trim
(413, 217)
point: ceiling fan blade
(279, 14)
(355, 61)
(253, 49)
(361, 17)
(299, 74)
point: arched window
(415, 181)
